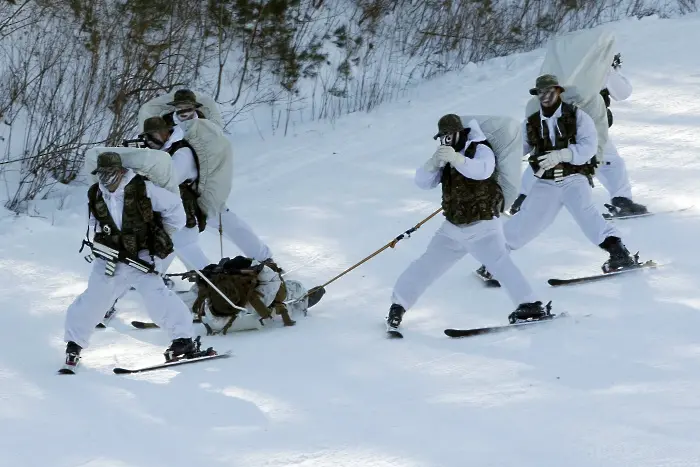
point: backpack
(154, 165)
(213, 148)
(505, 137)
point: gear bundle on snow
(258, 291)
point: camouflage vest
(188, 191)
(464, 200)
(538, 138)
(142, 229)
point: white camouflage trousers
(612, 173)
(484, 241)
(544, 202)
(88, 309)
(234, 228)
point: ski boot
(515, 207)
(486, 276)
(183, 347)
(620, 257)
(281, 310)
(621, 207)
(530, 312)
(393, 321)
(72, 358)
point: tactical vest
(606, 98)
(188, 191)
(142, 229)
(464, 200)
(538, 138)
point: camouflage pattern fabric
(465, 201)
(237, 279)
(142, 229)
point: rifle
(138, 142)
(112, 256)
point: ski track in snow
(617, 389)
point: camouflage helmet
(108, 161)
(184, 97)
(153, 124)
(544, 82)
(449, 124)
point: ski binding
(392, 333)
(107, 318)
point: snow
(618, 388)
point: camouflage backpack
(237, 278)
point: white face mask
(185, 114)
(547, 97)
(449, 140)
(110, 179)
(153, 141)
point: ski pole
(221, 236)
(391, 244)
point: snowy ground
(619, 388)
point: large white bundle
(581, 60)
(593, 105)
(505, 136)
(158, 106)
(151, 163)
(215, 155)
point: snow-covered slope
(619, 388)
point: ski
(150, 325)
(393, 333)
(181, 361)
(144, 325)
(612, 216)
(602, 275)
(501, 328)
(108, 317)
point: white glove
(449, 156)
(433, 164)
(553, 158)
